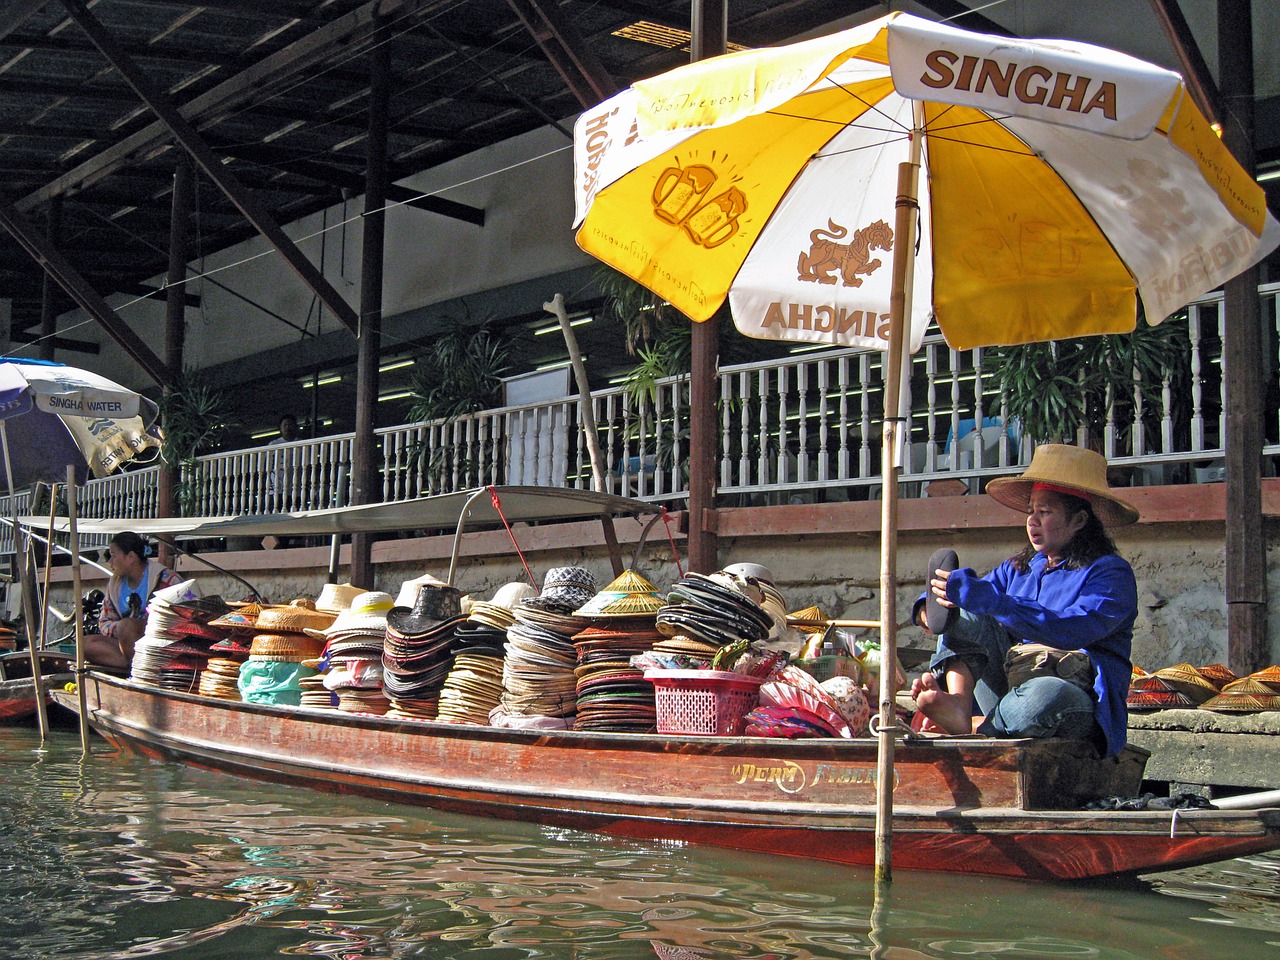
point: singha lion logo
(825, 255)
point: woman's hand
(938, 586)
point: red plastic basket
(704, 703)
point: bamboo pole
(78, 611)
(906, 210)
(556, 307)
(48, 565)
(26, 583)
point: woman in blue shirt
(1068, 589)
(124, 610)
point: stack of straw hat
(150, 654)
(473, 687)
(537, 675)
(189, 655)
(1180, 687)
(352, 652)
(1257, 693)
(705, 613)
(417, 649)
(280, 646)
(612, 694)
(221, 675)
(8, 636)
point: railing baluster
(1197, 378)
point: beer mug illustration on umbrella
(678, 193)
(716, 220)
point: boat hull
(960, 805)
(18, 697)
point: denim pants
(1041, 707)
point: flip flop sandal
(939, 619)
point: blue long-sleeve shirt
(1091, 609)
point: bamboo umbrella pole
(556, 307)
(26, 582)
(907, 208)
(78, 612)
(48, 564)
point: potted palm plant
(195, 419)
(461, 374)
(1066, 389)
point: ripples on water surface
(122, 858)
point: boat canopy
(519, 504)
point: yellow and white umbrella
(1061, 183)
(1060, 179)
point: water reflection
(122, 858)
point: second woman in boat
(133, 580)
(1067, 590)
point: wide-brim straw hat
(297, 616)
(336, 597)
(367, 614)
(286, 647)
(1065, 469)
(510, 594)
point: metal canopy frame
(457, 511)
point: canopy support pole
(81, 693)
(26, 583)
(904, 252)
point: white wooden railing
(802, 428)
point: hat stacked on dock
(1257, 693)
(8, 636)
(352, 652)
(473, 687)
(1180, 687)
(417, 650)
(280, 646)
(612, 694)
(537, 674)
(151, 654)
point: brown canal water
(121, 857)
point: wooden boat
(18, 689)
(964, 805)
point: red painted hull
(962, 805)
(18, 697)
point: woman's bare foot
(947, 712)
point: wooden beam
(1242, 351)
(59, 343)
(309, 50)
(214, 169)
(14, 13)
(1195, 71)
(364, 470)
(564, 47)
(339, 176)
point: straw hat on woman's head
(1075, 471)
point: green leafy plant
(1055, 389)
(194, 416)
(461, 374)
